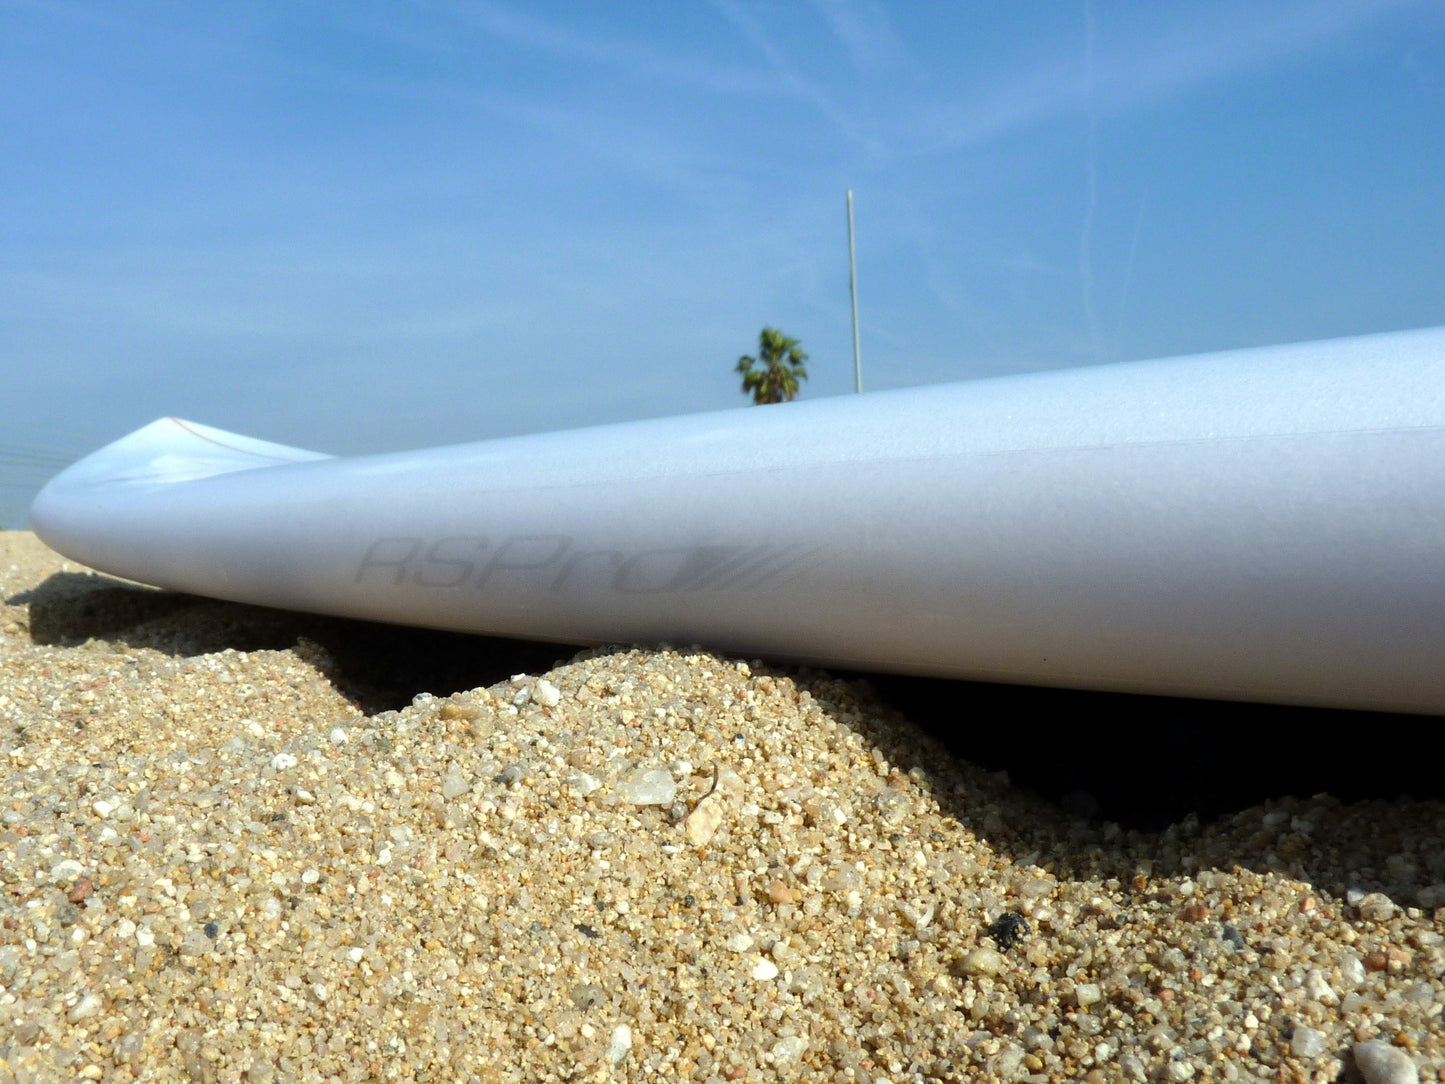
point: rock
(765, 970)
(587, 996)
(648, 786)
(546, 694)
(704, 819)
(983, 961)
(1376, 907)
(65, 871)
(1307, 1042)
(1319, 989)
(88, 1006)
(620, 1044)
(1087, 993)
(582, 784)
(1381, 1063)
(789, 1048)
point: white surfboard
(1265, 524)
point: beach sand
(226, 855)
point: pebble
(983, 961)
(1376, 907)
(648, 786)
(1381, 1063)
(789, 1048)
(546, 694)
(1307, 1043)
(588, 996)
(620, 1045)
(764, 970)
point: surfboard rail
(1262, 524)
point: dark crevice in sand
(1150, 761)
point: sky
(370, 227)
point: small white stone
(620, 1044)
(738, 942)
(338, 735)
(145, 937)
(1318, 988)
(546, 694)
(582, 784)
(1005, 1064)
(788, 1048)
(102, 808)
(983, 961)
(320, 991)
(85, 1008)
(765, 969)
(1376, 907)
(1087, 993)
(66, 870)
(1306, 1042)
(1133, 1068)
(283, 761)
(1352, 969)
(454, 785)
(1381, 1063)
(310, 877)
(648, 786)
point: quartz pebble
(788, 1049)
(220, 862)
(648, 786)
(620, 1045)
(983, 961)
(1307, 1043)
(1381, 1063)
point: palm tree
(780, 368)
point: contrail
(1086, 262)
(1129, 273)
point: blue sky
(366, 227)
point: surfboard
(1264, 524)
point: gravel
(220, 863)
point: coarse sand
(234, 846)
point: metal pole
(853, 290)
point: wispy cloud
(1143, 70)
(752, 30)
(866, 32)
(637, 59)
